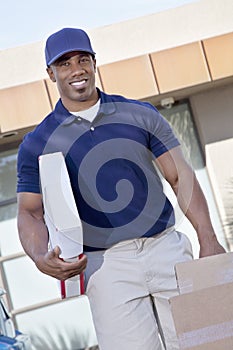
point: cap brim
(54, 59)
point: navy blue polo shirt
(118, 192)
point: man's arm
(33, 235)
(191, 199)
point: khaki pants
(129, 286)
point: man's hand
(52, 265)
(210, 246)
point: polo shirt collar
(107, 107)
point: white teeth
(78, 83)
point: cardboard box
(204, 318)
(205, 272)
(203, 312)
(61, 216)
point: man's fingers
(54, 253)
(61, 269)
(83, 259)
(57, 251)
(78, 263)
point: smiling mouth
(79, 83)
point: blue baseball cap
(66, 40)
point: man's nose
(77, 67)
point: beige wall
(22, 65)
(132, 77)
(219, 157)
(23, 106)
(167, 29)
(219, 55)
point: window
(181, 119)
(179, 116)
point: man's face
(74, 74)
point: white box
(61, 215)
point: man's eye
(85, 60)
(63, 63)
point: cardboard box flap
(204, 272)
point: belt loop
(140, 243)
(137, 243)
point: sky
(27, 21)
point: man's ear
(51, 74)
(94, 63)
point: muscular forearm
(34, 238)
(33, 235)
(190, 198)
(193, 203)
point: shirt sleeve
(162, 137)
(27, 168)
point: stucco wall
(219, 158)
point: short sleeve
(162, 137)
(27, 168)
